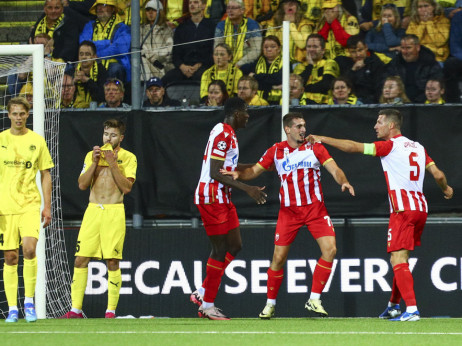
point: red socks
(405, 283)
(395, 293)
(213, 278)
(321, 275)
(274, 282)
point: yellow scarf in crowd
(105, 32)
(236, 39)
(83, 98)
(43, 29)
(276, 65)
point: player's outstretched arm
(440, 179)
(45, 178)
(255, 192)
(339, 176)
(341, 144)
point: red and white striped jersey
(222, 145)
(299, 170)
(404, 162)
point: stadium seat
(185, 89)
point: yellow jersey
(20, 159)
(125, 160)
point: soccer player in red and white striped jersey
(213, 199)
(298, 164)
(404, 163)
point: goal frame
(38, 70)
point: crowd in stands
(393, 52)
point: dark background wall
(162, 266)
(170, 144)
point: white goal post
(46, 91)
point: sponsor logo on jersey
(32, 147)
(288, 166)
(17, 163)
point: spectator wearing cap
(336, 26)
(114, 94)
(63, 21)
(156, 95)
(156, 42)
(111, 38)
(242, 34)
(193, 46)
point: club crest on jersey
(221, 145)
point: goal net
(24, 72)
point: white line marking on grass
(228, 332)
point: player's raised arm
(255, 192)
(440, 179)
(345, 145)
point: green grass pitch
(195, 331)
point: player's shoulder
(126, 154)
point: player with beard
(110, 172)
(298, 164)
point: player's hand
(257, 193)
(46, 216)
(96, 153)
(313, 139)
(347, 186)
(448, 193)
(232, 174)
(110, 156)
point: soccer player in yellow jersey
(109, 171)
(22, 153)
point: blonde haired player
(22, 153)
(404, 163)
(110, 172)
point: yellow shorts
(102, 233)
(15, 227)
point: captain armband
(369, 149)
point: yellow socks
(79, 284)
(113, 289)
(10, 281)
(30, 277)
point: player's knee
(29, 252)
(329, 253)
(112, 264)
(235, 248)
(11, 258)
(81, 262)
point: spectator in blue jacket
(453, 65)
(111, 38)
(386, 36)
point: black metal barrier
(162, 266)
(170, 144)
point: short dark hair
(115, 124)
(411, 37)
(234, 104)
(321, 39)
(90, 44)
(393, 115)
(21, 101)
(353, 41)
(288, 119)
